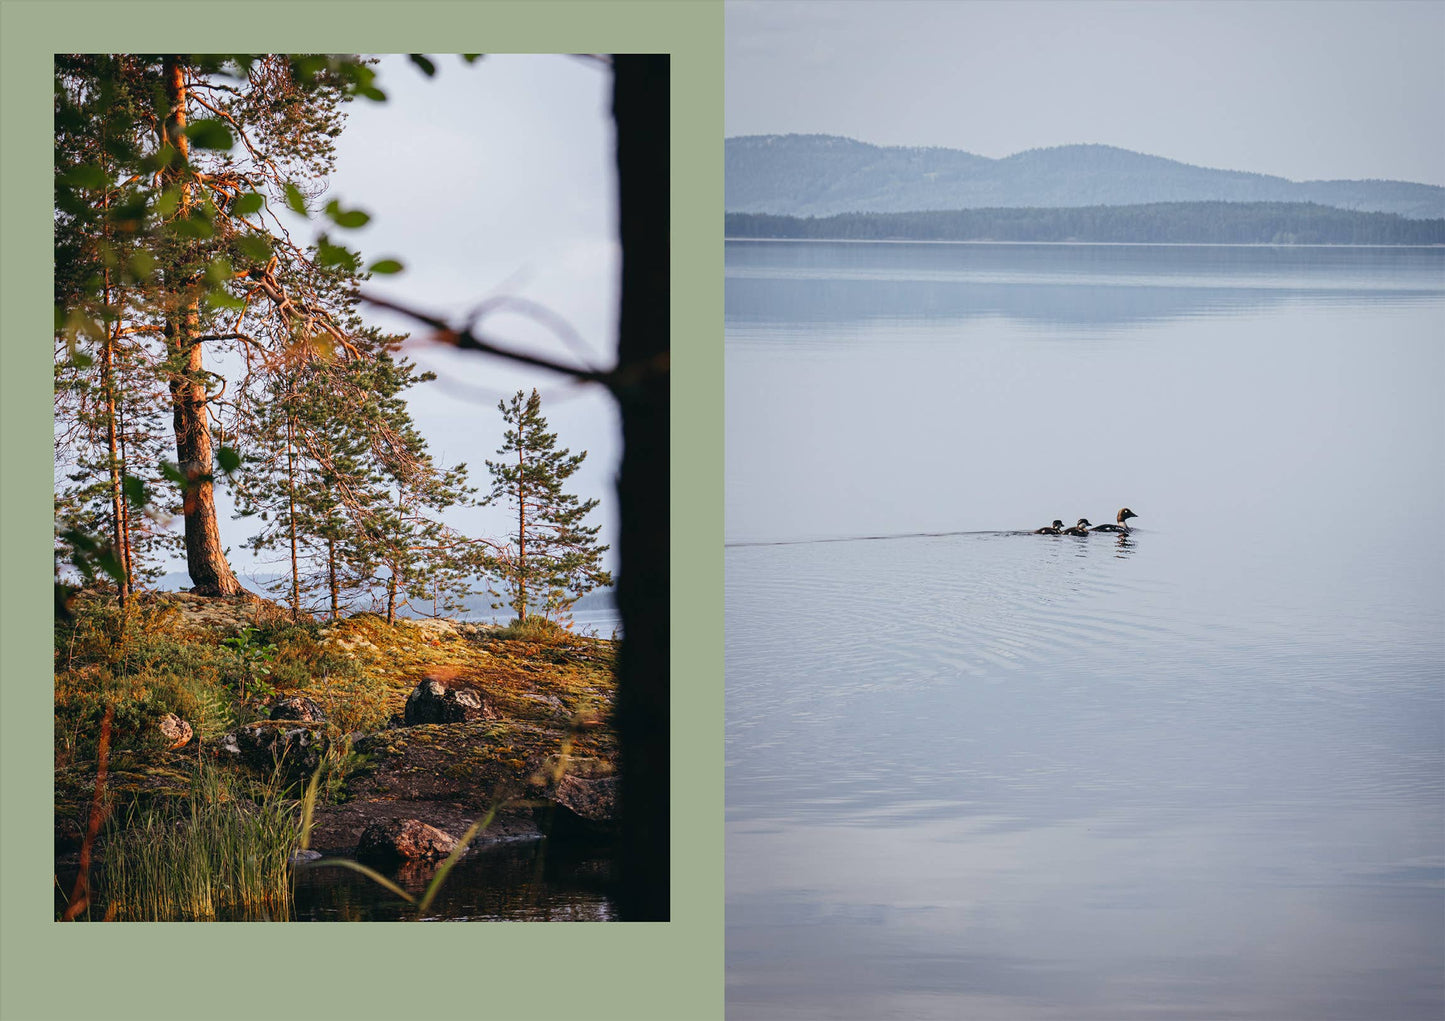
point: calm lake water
(1198, 772)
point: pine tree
(164, 168)
(553, 558)
(343, 484)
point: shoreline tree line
(1234, 223)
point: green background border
(576, 971)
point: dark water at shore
(514, 881)
(1199, 772)
(523, 881)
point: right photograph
(1085, 511)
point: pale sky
(1303, 90)
(492, 178)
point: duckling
(1057, 528)
(1082, 528)
(1124, 516)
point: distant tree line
(1289, 223)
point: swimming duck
(1124, 516)
(1057, 528)
(1082, 528)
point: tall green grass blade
(308, 806)
(434, 887)
(366, 871)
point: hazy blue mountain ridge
(822, 175)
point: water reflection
(1092, 287)
(1196, 770)
(522, 881)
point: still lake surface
(1197, 772)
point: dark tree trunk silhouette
(641, 109)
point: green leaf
(81, 541)
(163, 157)
(167, 201)
(89, 176)
(135, 491)
(219, 297)
(247, 204)
(110, 564)
(295, 199)
(228, 459)
(209, 134)
(308, 67)
(197, 225)
(219, 270)
(350, 218)
(255, 248)
(329, 254)
(128, 216)
(142, 264)
(385, 266)
(372, 93)
(81, 360)
(174, 474)
(427, 67)
(471, 58)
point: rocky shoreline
(465, 719)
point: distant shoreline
(1163, 223)
(1075, 244)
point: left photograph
(361, 545)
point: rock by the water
(297, 707)
(294, 744)
(436, 699)
(592, 799)
(175, 730)
(406, 839)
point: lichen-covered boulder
(593, 799)
(293, 744)
(403, 839)
(297, 707)
(438, 699)
(175, 730)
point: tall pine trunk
(641, 109)
(291, 513)
(117, 468)
(205, 557)
(331, 578)
(521, 604)
(127, 527)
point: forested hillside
(819, 175)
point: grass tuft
(220, 856)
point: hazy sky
(491, 178)
(1304, 90)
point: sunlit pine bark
(205, 557)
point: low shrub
(539, 630)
